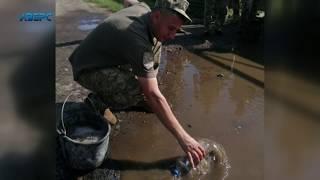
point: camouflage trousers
(214, 13)
(117, 87)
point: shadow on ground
(232, 39)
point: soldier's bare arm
(160, 106)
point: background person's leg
(207, 17)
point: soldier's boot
(97, 105)
(110, 117)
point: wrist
(182, 135)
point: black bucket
(84, 138)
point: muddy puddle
(291, 127)
(227, 109)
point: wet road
(291, 127)
(229, 110)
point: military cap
(179, 6)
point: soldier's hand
(195, 152)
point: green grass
(116, 5)
(112, 5)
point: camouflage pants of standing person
(235, 6)
(249, 9)
(214, 14)
(117, 87)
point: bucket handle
(64, 131)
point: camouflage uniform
(214, 13)
(235, 6)
(248, 16)
(112, 55)
(248, 9)
(118, 51)
(117, 87)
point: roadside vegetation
(116, 5)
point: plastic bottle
(181, 168)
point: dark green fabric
(124, 37)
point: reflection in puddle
(190, 79)
(87, 25)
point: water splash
(216, 160)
